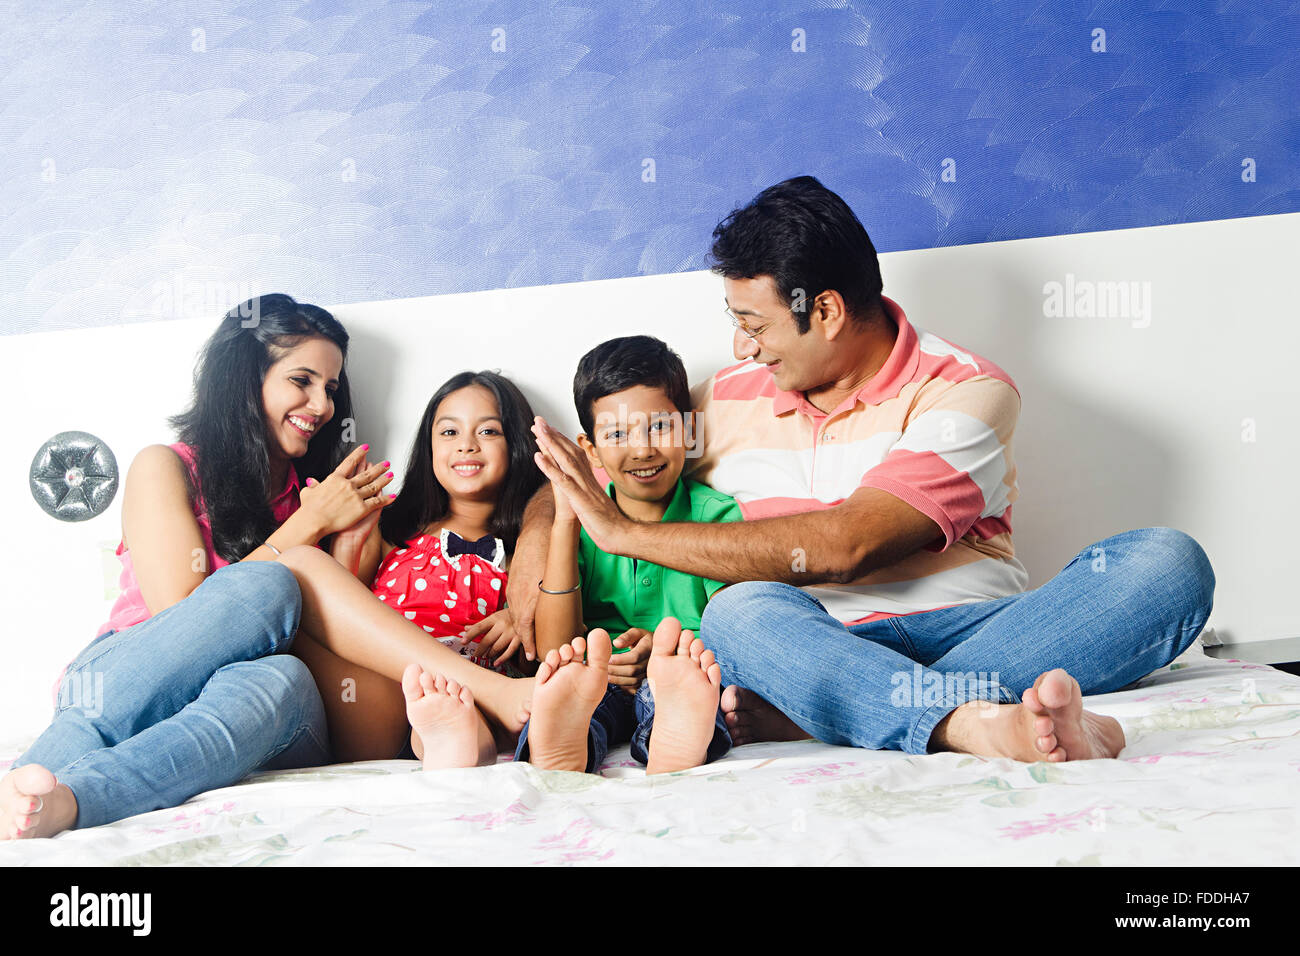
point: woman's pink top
(130, 607)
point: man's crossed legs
(1122, 608)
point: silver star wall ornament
(73, 476)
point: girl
(445, 542)
(189, 692)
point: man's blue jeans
(1122, 608)
(192, 699)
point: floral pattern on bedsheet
(1210, 775)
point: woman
(191, 690)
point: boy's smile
(638, 439)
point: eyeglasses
(738, 326)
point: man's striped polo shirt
(933, 427)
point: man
(884, 607)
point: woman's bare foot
(567, 694)
(750, 719)
(34, 804)
(443, 716)
(1050, 725)
(506, 701)
(686, 684)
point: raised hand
(566, 466)
(351, 493)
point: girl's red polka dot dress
(444, 595)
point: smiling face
(298, 395)
(470, 456)
(798, 362)
(638, 438)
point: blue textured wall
(345, 151)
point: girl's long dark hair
(423, 500)
(226, 424)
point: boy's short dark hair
(623, 363)
(806, 238)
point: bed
(1210, 777)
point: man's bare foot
(443, 715)
(750, 719)
(1049, 724)
(686, 684)
(34, 804)
(567, 693)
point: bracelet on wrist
(566, 591)
(268, 544)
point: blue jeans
(192, 699)
(1122, 608)
(623, 718)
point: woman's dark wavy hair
(226, 424)
(423, 500)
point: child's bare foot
(34, 804)
(567, 694)
(750, 719)
(686, 683)
(1049, 725)
(442, 714)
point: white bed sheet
(1210, 776)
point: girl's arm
(559, 616)
(360, 547)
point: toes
(1056, 689)
(466, 697)
(705, 658)
(684, 641)
(411, 682)
(1030, 699)
(434, 684)
(714, 672)
(599, 648)
(667, 637)
(731, 700)
(453, 689)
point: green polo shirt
(619, 593)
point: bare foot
(686, 684)
(750, 719)
(34, 804)
(443, 716)
(1050, 725)
(567, 693)
(506, 701)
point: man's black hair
(623, 363)
(806, 238)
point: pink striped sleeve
(953, 460)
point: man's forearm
(798, 549)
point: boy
(634, 406)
